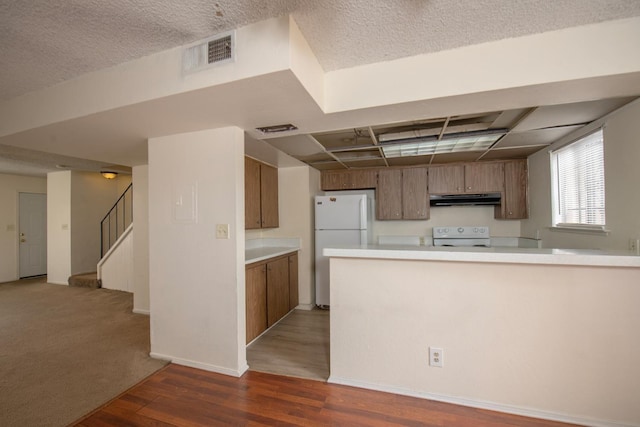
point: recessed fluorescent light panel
(473, 141)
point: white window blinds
(579, 182)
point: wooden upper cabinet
(269, 196)
(354, 179)
(484, 177)
(446, 179)
(389, 194)
(252, 215)
(466, 178)
(260, 195)
(514, 200)
(415, 199)
(402, 194)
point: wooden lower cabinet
(256, 300)
(293, 281)
(277, 290)
(271, 292)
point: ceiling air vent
(213, 51)
(277, 128)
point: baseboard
(141, 311)
(307, 307)
(58, 283)
(200, 365)
(480, 404)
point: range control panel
(460, 232)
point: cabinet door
(269, 196)
(389, 194)
(363, 179)
(277, 289)
(484, 177)
(256, 301)
(293, 281)
(252, 217)
(446, 179)
(415, 200)
(333, 180)
(348, 179)
(515, 190)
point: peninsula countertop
(584, 257)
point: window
(578, 183)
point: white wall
(91, 198)
(546, 341)
(10, 186)
(141, 239)
(621, 157)
(197, 282)
(59, 227)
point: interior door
(32, 234)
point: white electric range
(460, 236)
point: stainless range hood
(482, 199)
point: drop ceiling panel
(512, 153)
(574, 113)
(297, 145)
(327, 165)
(409, 161)
(465, 156)
(535, 137)
(316, 158)
(358, 155)
(366, 163)
(344, 139)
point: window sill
(582, 229)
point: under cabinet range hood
(483, 199)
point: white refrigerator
(340, 220)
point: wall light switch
(65, 226)
(222, 231)
(11, 227)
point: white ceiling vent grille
(214, 51)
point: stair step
(85, 280)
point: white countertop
(494, 254)
(261, 249)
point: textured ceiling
(45, 42)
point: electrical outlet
(436, 357)
(222, 231)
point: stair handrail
(122, 199)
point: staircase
(85, 280)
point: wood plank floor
(297, 346)
(182, 396)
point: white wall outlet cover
(222, 231)
(436, 357)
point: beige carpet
(65, 351)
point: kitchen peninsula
(511, 322)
